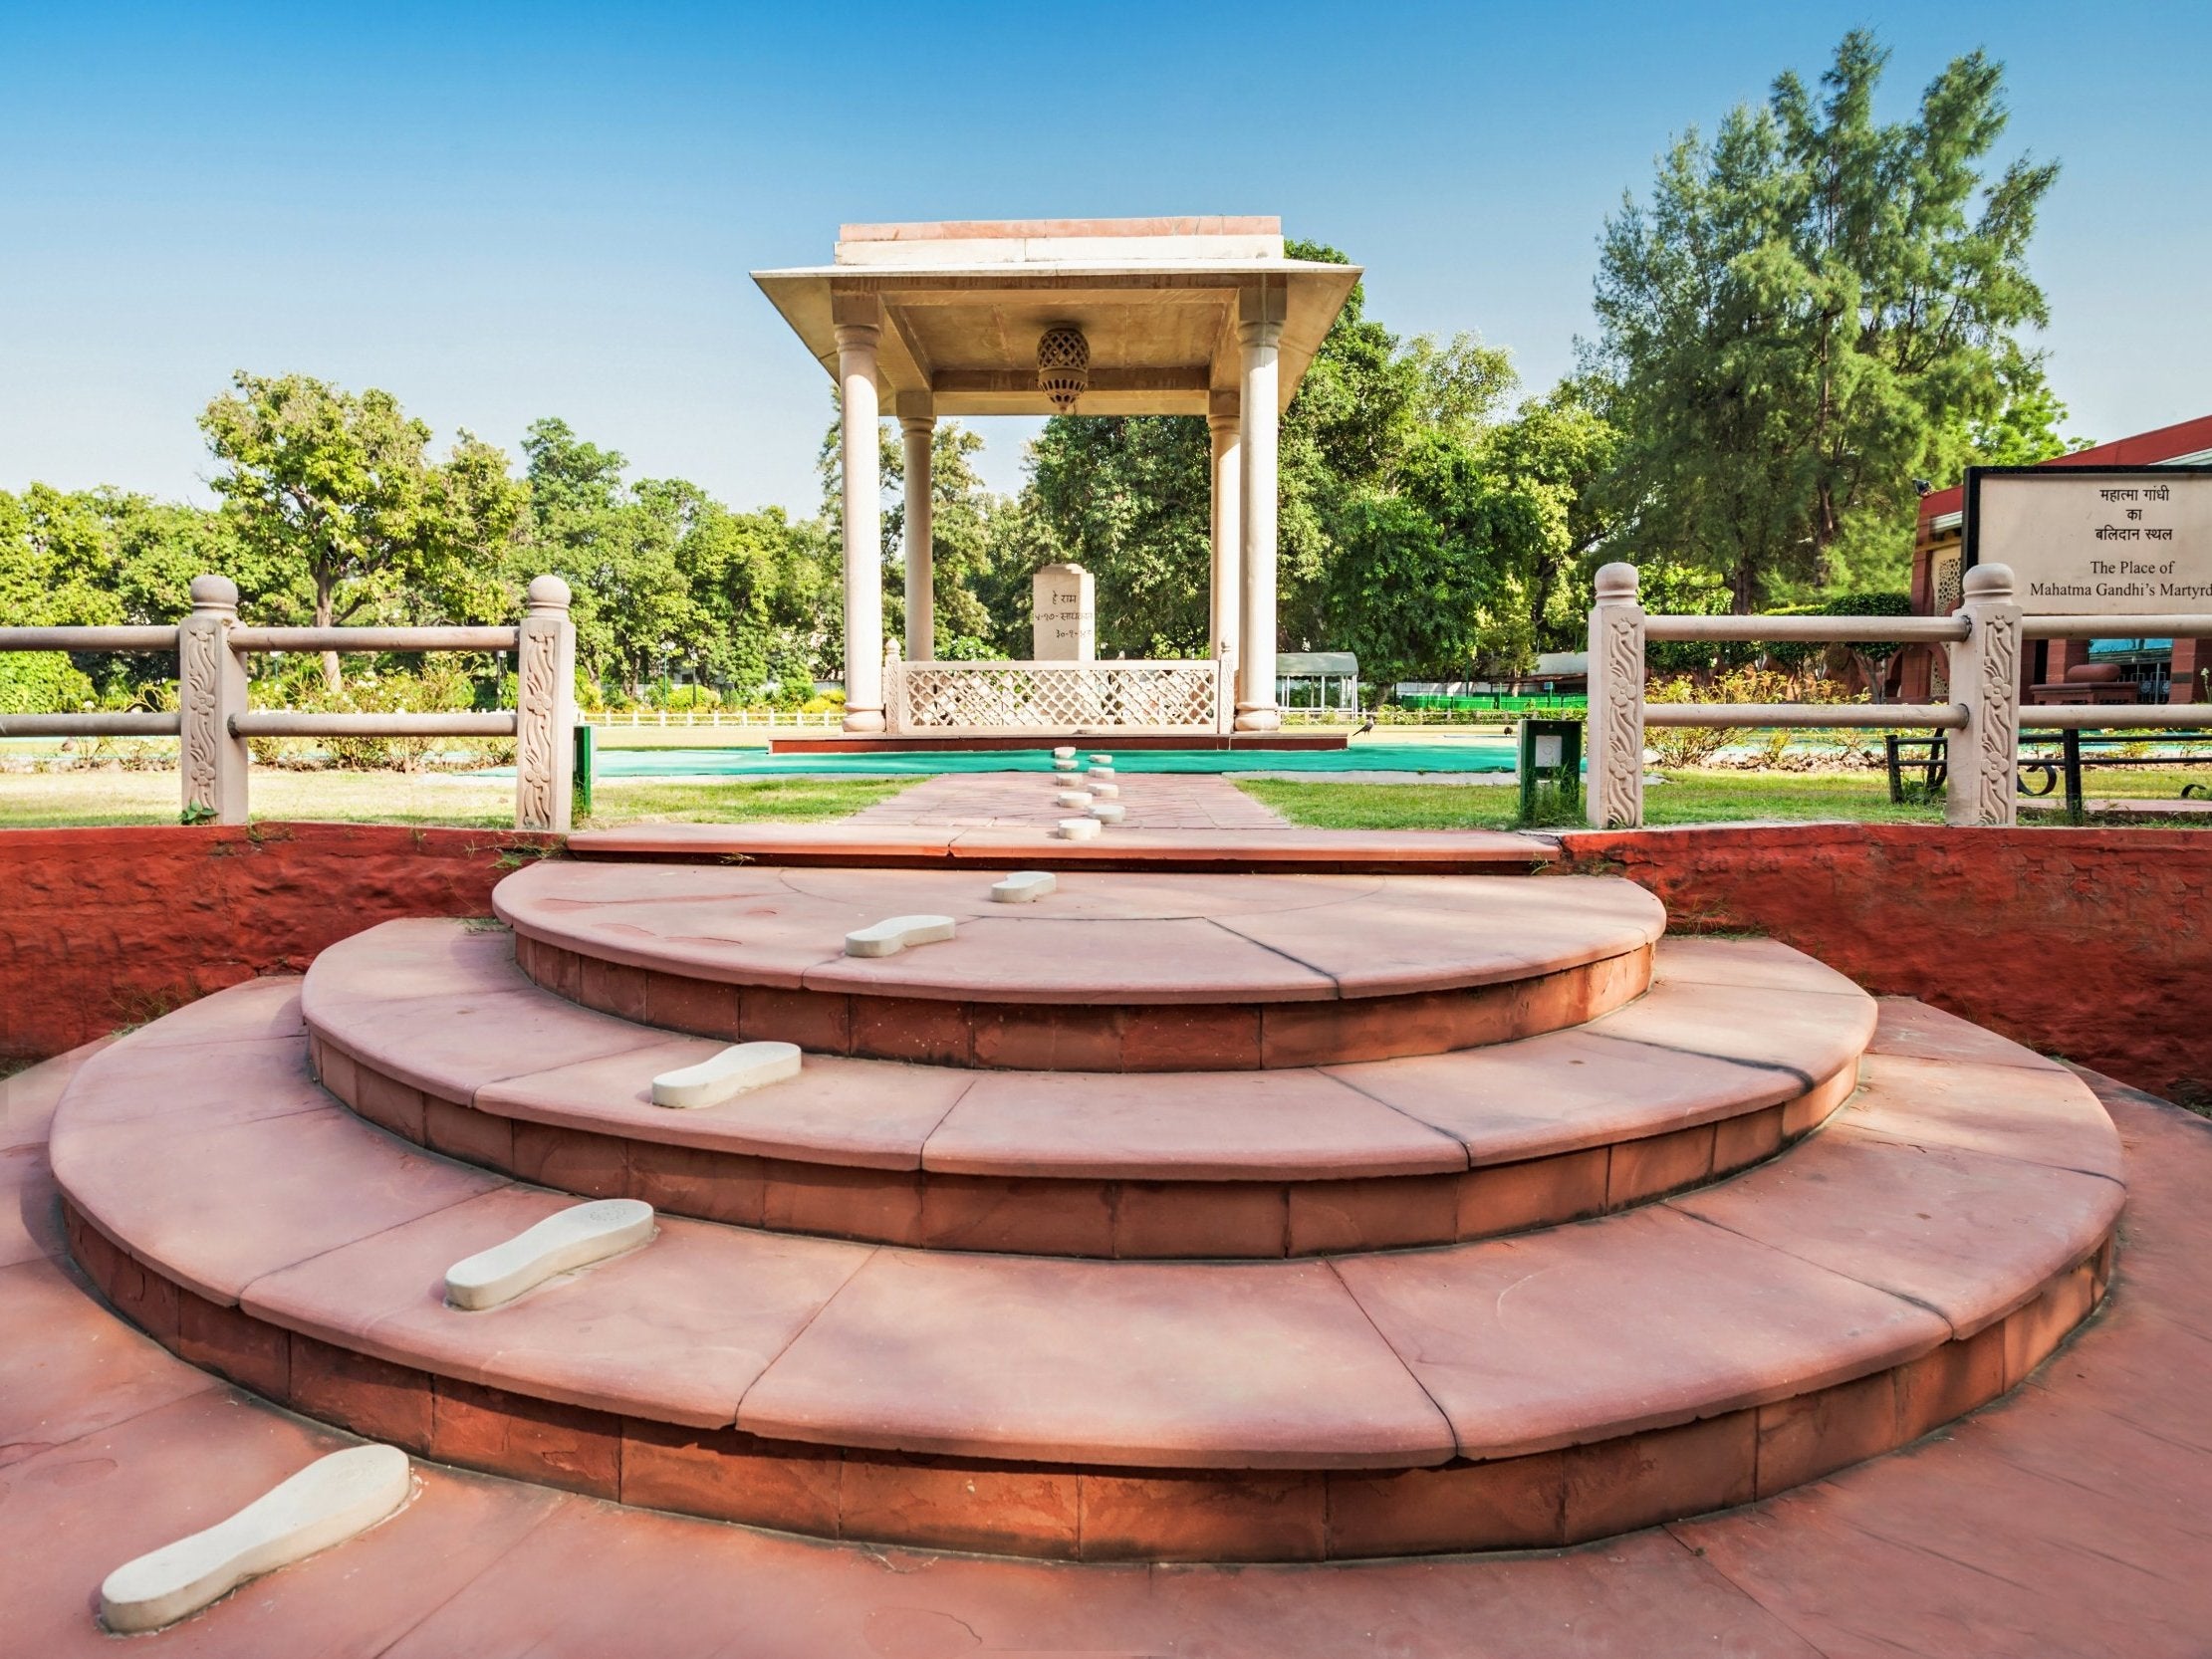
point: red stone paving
(1557, 1092)
(1032, 847)
(1156, 1365)
(679, 1328)
(2067, 1522)
(1100, 937)
(1024, 801)
(323, 1225)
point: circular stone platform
(1112, 972)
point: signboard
(2096, 541)
(1063, 615)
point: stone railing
(976, 699)
(212, 721)
(1983, 638)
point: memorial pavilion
(1201, 316)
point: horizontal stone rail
(89, 639)
(213, 722)
(2189, 626)
(1982, 639)
(89, 724)
(1833, 630)
(1811, 715)
(374, 640)
(290, 723)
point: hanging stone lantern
(1064, 365)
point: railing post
(1617, 701)
(545, 709)
(210, 689)
(894, 687)
(1985, 679)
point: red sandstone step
(1113, 972)
(1323, 852)
(430, 1030)
(1909, 1261)
(117, 1448)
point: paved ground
(1024, 799)
(2069, 1519)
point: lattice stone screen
(977, 697)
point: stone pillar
(1225, 428)
(210, 689)
(545, 710)
(864, 529)
(2062, 657)
(920, 432)
(2192, 658)
(1615, 788)
(1258, 332)
(1984, 680)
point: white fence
(212, 722)
(971, 699)
(1983, 638)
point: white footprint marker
(1067, 765)
(725, 1077)
(1105, 792)
(888, 938)
(1108, 812)
(1024, 886)
(1073, 800)
(1101, 760)
(1064, 753)
(1077, 828)
(1100, 774)
(575, 1238)
(326, 1502)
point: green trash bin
(581, 793)
(1551, 771)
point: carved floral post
(545, 709)
(1984, 680)
(210, 689)
(1617, 701)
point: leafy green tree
(1810, 312)
(336, 490)
(1130, 498)
(2025, 429)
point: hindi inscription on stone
(1063, 615)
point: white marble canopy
(1200, 316)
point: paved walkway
(2071, 1518)
(1024, 801)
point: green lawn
(29, 799)
(44, 799)
(1689, 797)
(1685, 798)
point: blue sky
(500, 212)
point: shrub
(1688, 746)
(41, 682)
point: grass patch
(44, 800)
(1685, 798)
(807, 800)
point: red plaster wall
(107, 927)
(2092, 943)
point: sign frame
(1970, 528)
